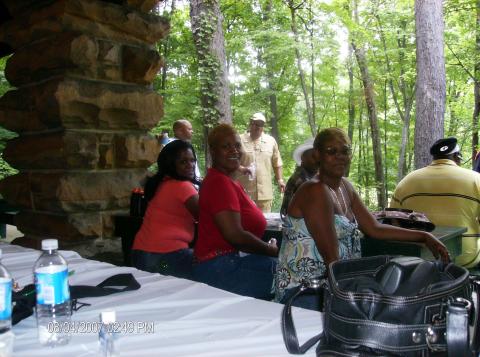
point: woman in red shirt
(162, 243)
(230, 222)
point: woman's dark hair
(166, 167)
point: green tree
(5, 135)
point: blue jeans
(177, 263)
(250, 275)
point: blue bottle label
(51, 283)
(5, 298)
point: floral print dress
(299, 259)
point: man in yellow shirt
(448, 194)
(261, 154)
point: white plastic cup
(252, 174)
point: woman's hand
(437, 248)
(244, 170)
(272, 243)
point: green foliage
(180, 98)
(261, 62)
(208, 67)
(4, 85)
(5, 135)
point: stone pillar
(83, 106)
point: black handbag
(405, 218)
(392, 306)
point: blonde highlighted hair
(219, 132)
(328, 134)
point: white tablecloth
(190, 319)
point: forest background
(298, 62)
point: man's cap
(258, 116)
(298, 152)
(446, 146)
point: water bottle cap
(107, 317)
(49, 244)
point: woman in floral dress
(326, 220)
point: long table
(188, 318)
(450, 236)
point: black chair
(126, 227)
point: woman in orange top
(162, 243)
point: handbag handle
(115, 284)
(314, 286)
(458, 327)
(475, 347)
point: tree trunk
(272, 98)
(407, 98)
(301, 73)
(312, 34)
(165, 51)
(351, 99)
(385, 138)
(209, 41)
(351, 94)
(372, 115)
(360, 156)
(273, 108)
(375, 132)
(476, 89)
(453, 97)
(408, 93)
(430, 92)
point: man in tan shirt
(261, 154)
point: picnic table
(450, 236)
(167, 316)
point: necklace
(344, 208)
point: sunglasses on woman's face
(332, 151)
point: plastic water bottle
(53, 296)
(107, 334)
(253, 173)
(5, 299)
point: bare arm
(192, 206)
(279, 178)
(369, 226)
(229, 224)
(314, 204)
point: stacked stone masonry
(82, 106)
